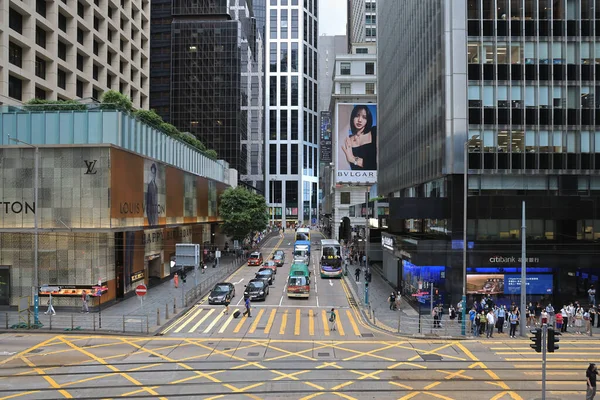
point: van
(298, 284)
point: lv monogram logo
(91, 167)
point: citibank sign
(512, 260)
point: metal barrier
(80, 322)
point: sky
(332, 17)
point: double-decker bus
(330, 264)
(303, 234)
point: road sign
(141, 290)
(187, 255)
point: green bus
(298, 284)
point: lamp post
(464, 247)
(36, 299)
(367, 229)
(272, 195)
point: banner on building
(325, 146)
(356, 145)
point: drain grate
(323, 354)
(253, 354)
(367, 335)
(36, 350)
(227, 348)
(430, 357)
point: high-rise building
(59, 50)
(508, 86)
(362, 22)
(291, 110)
(207, 74)
(328, 47)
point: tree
(54, 105)
(243, 213)
(150, 117)
(113, 100)
(211, 154)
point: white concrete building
(74, 49)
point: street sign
(141, 290)
(47, 289)
(187, 255)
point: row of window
(279, 85)
(532, 141)
(310, 159)
(542, 52)
(346, 88)
(286, 60)
(544, 96)
(346, 68)
(281, 132)
(531, 9)
(532, 72)
(534, 28)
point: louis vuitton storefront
(105, 215)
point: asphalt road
(278, 316)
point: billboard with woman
(356, 146)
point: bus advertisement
(330, 264)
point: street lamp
(272, 198)
(36, 300)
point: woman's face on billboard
(360, 120)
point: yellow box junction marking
(256, 320)
(212, 310)
(226, 324)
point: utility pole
(464, 250)
(522, 318)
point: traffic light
(537, 340)
(552, 340)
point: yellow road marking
(297, 325)
(137, 391)
(283, 323)
(226, 324)
(409, 396)
(325, 325)
(180, 328)
(12, 396)
(239, 325)
(215, 321)
(47, 378)
(400, 385)
(431, 386)
(270, 321)
(353, 323)
(338, 323)
(311, 322)
(256, 321)
(24, 352)
(212, 310)
(110, 366)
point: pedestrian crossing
(265, 321)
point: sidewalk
(161, 303)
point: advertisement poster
(326, 140)
(485, 284)
(535, 284)
(356, 146)
(154, 191)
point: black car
(279, 258)
(222, 292)
(266, 273)
(257, 289)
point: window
(95, 72)
(273, 124)
(362, 50)
(294, 24)
(283, 125)
(109, 35)
(370, 88)
(80, 9)
(344, 197)
(15, 87)
(371, 20)
(345, 88)
(272, 159)
(283, 159)
(294, 57)
(80, 62)
(40, 7)
(273, 21)
(110, 12)
(40, 67)
(109, 58)
(273, 57)
(15, 21)
(344, 68)
(96, 23)
(40, 37)
(62, 22)
(294, 130)
(294, 154)
(294, 92)
(284, 24)
(96, 47)
(80, 35)
(15, 54)
(95, 94)
(40, 93)
(369, 68)
(283, 91)
(109, 80)
(79, 88)
(371, 32)
(283, 59)
(61, 79)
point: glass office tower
(513, 82)
(291, 129)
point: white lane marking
(240, 281)
(317, 301)
(330, 283)
(227, 322)
(280, 301)
(240, 301)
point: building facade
(111, 206)
(208, 73)
(78, 49)
(362, 22)
(291, 124)
(510, 87)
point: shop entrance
(4, 285)
(154, 270)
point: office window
(79, 88)
(294, 91)
(273, 124)
(40, 7)
(283, 126)
(109, 80)
(371, 19)
(15, 21)
(294, 24)
(62, 22)
(110, 12)
(283, 58)
(273, 90)
(362, 50)
(109, 57)
(80, 36)
(40, 93)
(370, 88)
(96, 47)
(345, 88)
(291, 193)
(344, 197)
(344, 68)
(15, 54)
(40, 67)
(283, 159)
(369, 68)
(273, 22)
(80, 62)
(95, 72)
(294, 130)
(15, 87)
(283, 91)
(294, 57)
(284, 24)
(109, 35)
(96, 23)
(294, 165)
(272, 159)
(80, 9)
(40, 37)
(61, 79)
(273, 57)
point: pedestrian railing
(88, 322)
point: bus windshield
(301, 236)
(297, 281)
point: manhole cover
(431, 357)
(323, 354)
(253, 354)
(227, 348)
(36, 350)
(366, 335)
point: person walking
(247, 304)
(590, 377)
(490, 324)
(176, 280)
(357, 274)
(50, 309)
(565, 317)
(392, 301)
(513, 318)
(332, 319)
(84, 302)
(227, 300)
